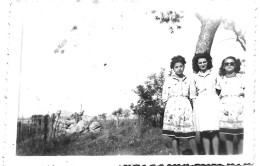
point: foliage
(174, 21)
(173, 18)
(129, 138)
(95, 118)
(126, 113)
(150, 102)
(118, 113)
(103, 116)
(36, 118)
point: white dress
(206, 103)
(178, 115)
(231, 104)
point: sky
(116, 45)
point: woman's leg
(193, 146)
(215, 144)
(222, 143)
(206, 145)
(229, 144)
(176, 146)
(240, 144)
(198, 137)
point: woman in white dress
(231, 92)
(205, 102)
(178, 115)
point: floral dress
(231, 104)
(178, 115)
(206, 103)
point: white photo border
(10, 117)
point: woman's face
(178, 68)
(229, 65)
(203, 64)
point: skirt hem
(179, 134)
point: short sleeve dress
(206, 105)
(178, 115)
(231, 104)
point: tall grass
(128, 138)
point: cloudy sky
(115, 46)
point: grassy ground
(128, 138)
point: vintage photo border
(12, 63)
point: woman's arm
(218, 86)
(193, 90)
(242, 86)
(165, 91)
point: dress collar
(179, 79)
(201, 74)
(234, 75)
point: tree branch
(240, 38)
(199, 17)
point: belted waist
(205, 91)
(224, 96)
(178, 95)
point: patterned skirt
(178, 118)
(231, 115)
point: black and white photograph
(125, 82)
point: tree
(126, 113)
(150, 102)
(239, 33)
(104, 117)
(118, 113)
(209, 25)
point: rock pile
(64, 125)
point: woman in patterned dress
(231, 92)
(178, 115)
(205, 102)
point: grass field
(129, 138)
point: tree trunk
(207, 33)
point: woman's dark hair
(177, 59)
(222, 70)
(195, 59)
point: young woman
(178, 116)
(205, 102)
(231, 92)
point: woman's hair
(177, 59)
(222, 70)
(195, 59)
